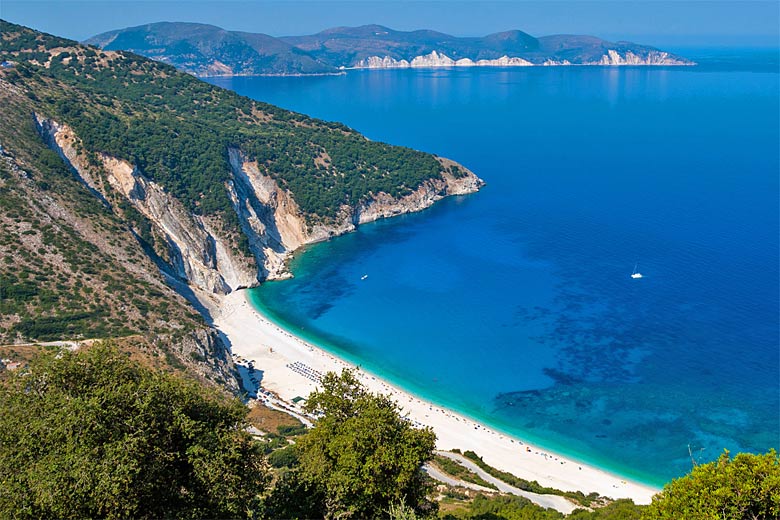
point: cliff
(438, 60)
(197, 253)
(218, 189)
(435, 59)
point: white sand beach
(273, 350)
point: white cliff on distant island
(629, 58)
(437, 59)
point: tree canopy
(361, 455)
(745, 487)
(93, 434)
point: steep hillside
(127, 186)
(206, 50)
(72, 269)
(219, 188)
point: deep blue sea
(515, 305)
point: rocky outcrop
(629, 58)
(205, 354)
(615, 58)
(383, 205)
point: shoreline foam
(255, 337)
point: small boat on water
(364, 277)
(635, 274)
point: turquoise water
(515, 305)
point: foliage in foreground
(92, 434)
(360, 458)
(459, 471)
(747, 486)
(511, 507)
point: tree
(93, 434)
(745, 487)
(362, 454)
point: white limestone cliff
(629, 58)
(437, 59)
(280, 227)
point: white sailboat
(636, 274)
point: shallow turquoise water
(515, 305)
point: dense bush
(361, 454)
(92, 434)
(747, 486)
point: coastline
(255, 337)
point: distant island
(206, 50)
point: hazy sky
(670, 22)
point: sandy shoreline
(274, 351)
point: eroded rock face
(629, 58)
(283, 227)
(383, 205)
(199, 252)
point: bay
(515, 305)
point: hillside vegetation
(206, 50)
(177, 129)
(72, 269)
(69, 267)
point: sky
(654, 22)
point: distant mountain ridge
(207, 50)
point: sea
(515, 305)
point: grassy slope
(68, 266)
(71, 269)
